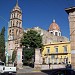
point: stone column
(71, 17)
(37, 63)
(19, 58)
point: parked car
(6, 70)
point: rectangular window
(48, 50)
(56, 49)
(48, 60)
(55, 33)
(52, 56)
(65, 49)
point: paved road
(25, 69)
(37, 73)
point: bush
(14, 56)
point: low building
(52, 56)
(56, 54)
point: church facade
(52, 35)
(15, 32)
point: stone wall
(38, 59)
(47, 37)
(19, 58)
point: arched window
(59, 34)
(17, 23)
(14, 15)
(20, 16)
(12, 30)
(11, 23)
(17, 32)
(9, 32)
(56, 34)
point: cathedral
(15, 33)
(53, 34)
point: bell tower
(15, 30)
(15, 23)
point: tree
(13, 55)
(2, 44)
(28, 55)
(31, 40)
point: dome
(54, 26)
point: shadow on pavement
(59, 72)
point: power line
(3, 19)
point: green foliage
(2, 44)
(32, 39)
(13, 56)
(28, 54)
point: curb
(28, 72)
(37, 71)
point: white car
(6, 70)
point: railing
(56, 53)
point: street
(51, 72)
(48, 72)
(35, 73)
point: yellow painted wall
(60, 53)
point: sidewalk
(27, 69)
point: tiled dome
(54, 26)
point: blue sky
(38, 13)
